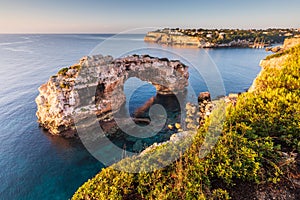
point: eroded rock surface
(95, 85)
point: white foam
(18, 50)
(19, 42)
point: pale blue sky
(112, 16)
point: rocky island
(96, 82)
(222, 38)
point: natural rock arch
(95, 85)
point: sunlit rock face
(95, 85)
(171, 39)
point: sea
(37, 165)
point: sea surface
(36, 165)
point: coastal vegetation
(63, 71)
(258, 145)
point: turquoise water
(36, 165)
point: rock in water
(95, 85)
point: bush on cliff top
(254, 133)
(63, 71)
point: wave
(18, 42)
(25, 37)
(18, 50)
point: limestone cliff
(95, 84)
(179, 39)
(291, 42)
(172, 39)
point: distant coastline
(220, 38)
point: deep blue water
(35, 165)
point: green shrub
(63, 71)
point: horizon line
(121, 32)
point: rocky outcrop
(288, 43)
(274, 49)
(95, 85)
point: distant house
(175, 33)
(288, 34)
(222, 35)
(209, 35)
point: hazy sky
(112, 16)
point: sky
(114, 16)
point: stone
(204, 96)
(170, 127)
(177, 126)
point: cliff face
(291, 42)
(178, 39)
(169, 39)
(95, 85)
